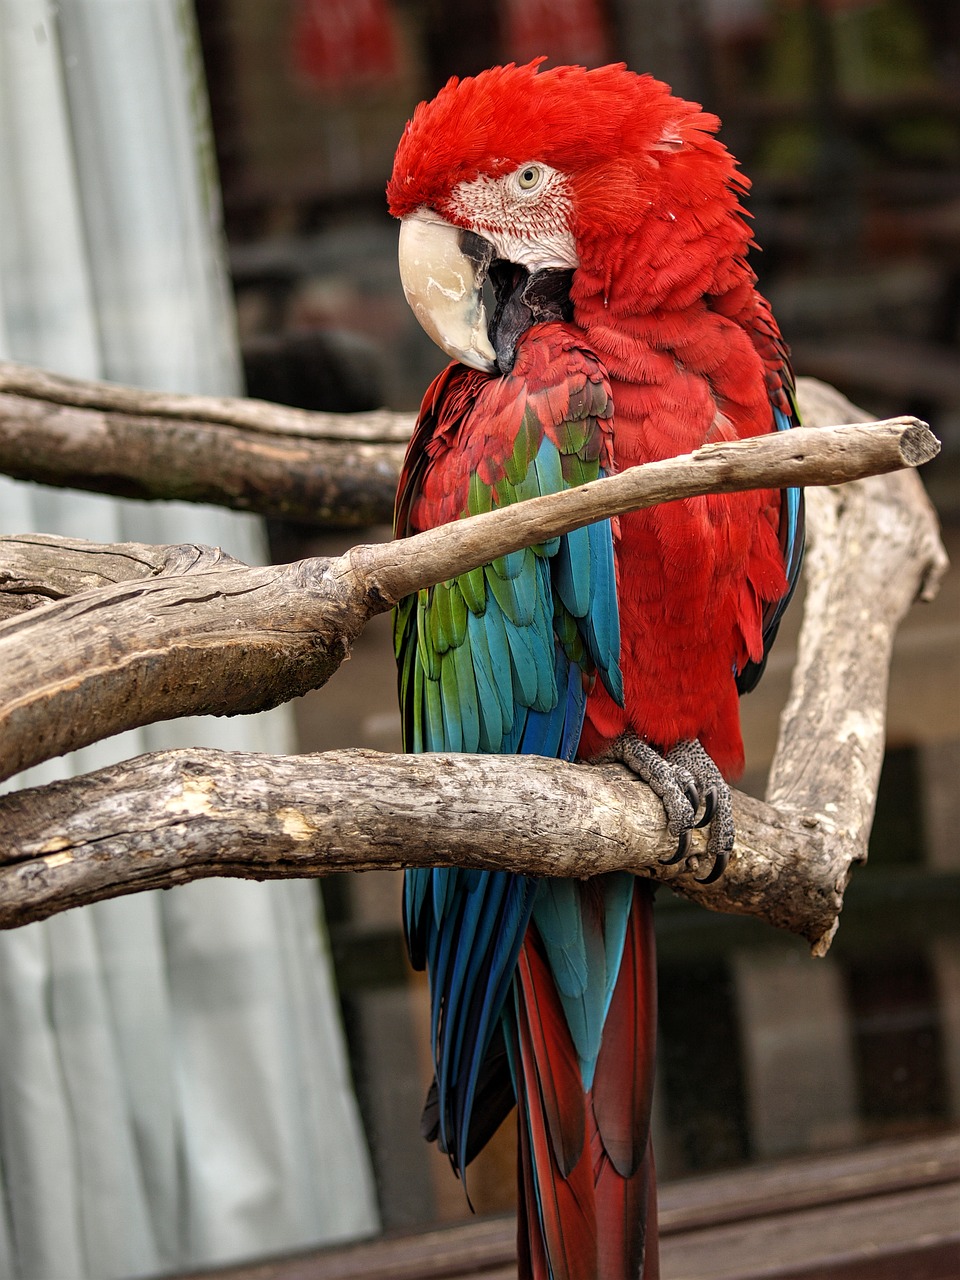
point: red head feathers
(612, 132)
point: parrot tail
(586, 1180)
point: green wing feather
(477, 654)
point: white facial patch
(526, 222)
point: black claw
(710, 800)
(683, 847)
(716, 871)
(685, 770)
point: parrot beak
(442, 269)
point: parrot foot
(680, 778)
(689, 759)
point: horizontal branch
(380, 425)
(223, 639)
(318, 468)
(176, 816)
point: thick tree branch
(321, 468)
(36, 568)
(174, 816)
(170, 817)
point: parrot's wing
(783, 403)
(499, 659)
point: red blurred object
(341, 46)
(565, 30)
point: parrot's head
(530, 177)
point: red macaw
(627, 327)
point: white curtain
(173, 1082)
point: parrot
(575, 240)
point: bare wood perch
(260, 416)
(36, 568)
(169, 817)
(321, 468)
(175, 816)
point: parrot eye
(529, 177)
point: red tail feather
(561, 1088)
(531, 1253)
(564, 1209)
(623, 1083)
(626, 1219)
(587, 1207)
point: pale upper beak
(442, 269)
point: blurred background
(845, 114)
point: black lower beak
(523, 300)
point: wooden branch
(222, 639)
(36, 568)
(319, 468)
(170, 817)
(175, 816)
(229, 638)
(812, 456)
(379, 426)
(874, 549)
